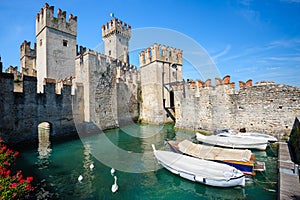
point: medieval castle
(65, 85)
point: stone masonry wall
(110, 90)
(269, 108)
(21, 113)
(205, 108)
(266, 108)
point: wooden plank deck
(288, 182)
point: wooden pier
(288, 179)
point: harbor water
(56, 166)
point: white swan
(115, 186)
(80, 178)
(112, 171)
(92, 166)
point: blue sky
(258, 40)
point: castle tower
(27, 59)
(116, 35)
(56, 45)
(161, 72)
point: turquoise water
(57, 167)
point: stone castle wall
(110, 89)
(22, 112)
(268, 108)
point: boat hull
(239, 181)
(245, 167)
(233, 142)
(201, 171)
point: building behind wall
(56, 45)
(109, 82)
(116, 36)
(161, 70)
(28, 59)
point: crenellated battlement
(161, 53)
(247, 84)
(116, 26)
(194, 84)
(28, 59)
(45, 18)
(29, 83)
(26, 50)
(123, 70)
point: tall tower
(161, 73)
(56, 45)
(27, 59)
(116, 36)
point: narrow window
(120, 39)
(41, 42)
(109, 52)
(65, 43)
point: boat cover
(213, 153)
(179, 163)
(231, 140)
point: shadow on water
(57, 165)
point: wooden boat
(241, 159)
(233, 141)
(199, 170)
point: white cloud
(222, 53)
(284, 58)
(273, 68)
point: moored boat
(238, 158)
(259, 135)
(200, 170)
(224, 132)
(233, 141)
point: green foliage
(12, 186)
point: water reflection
(129, 148)
(87, 173)
(44, 147)
(195, 190)
(64, 162)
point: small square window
(65, 43)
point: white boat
(234, 141)
(199, 170)
(259, 135)
(242, 159)
(223, 132)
